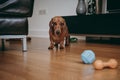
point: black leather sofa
(14, 19)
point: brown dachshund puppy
(58, 32)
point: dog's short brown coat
(58, 32)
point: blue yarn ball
(88, 56)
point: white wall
(44, 10)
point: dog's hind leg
(67, 40)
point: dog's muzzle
(58, 32)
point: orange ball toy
(99, 64)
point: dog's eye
(61, 24)
(54, 23)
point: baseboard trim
(39, 33)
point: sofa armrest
(16, 8)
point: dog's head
(57, 25)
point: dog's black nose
(57, 32)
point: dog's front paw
(50, 47)
(61, 47)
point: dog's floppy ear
(64, 25)
(51, 25)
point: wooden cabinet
(99, 24)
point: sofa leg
(3, 44)
(24, 44)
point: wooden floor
(39, 63)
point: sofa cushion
(13, 26)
